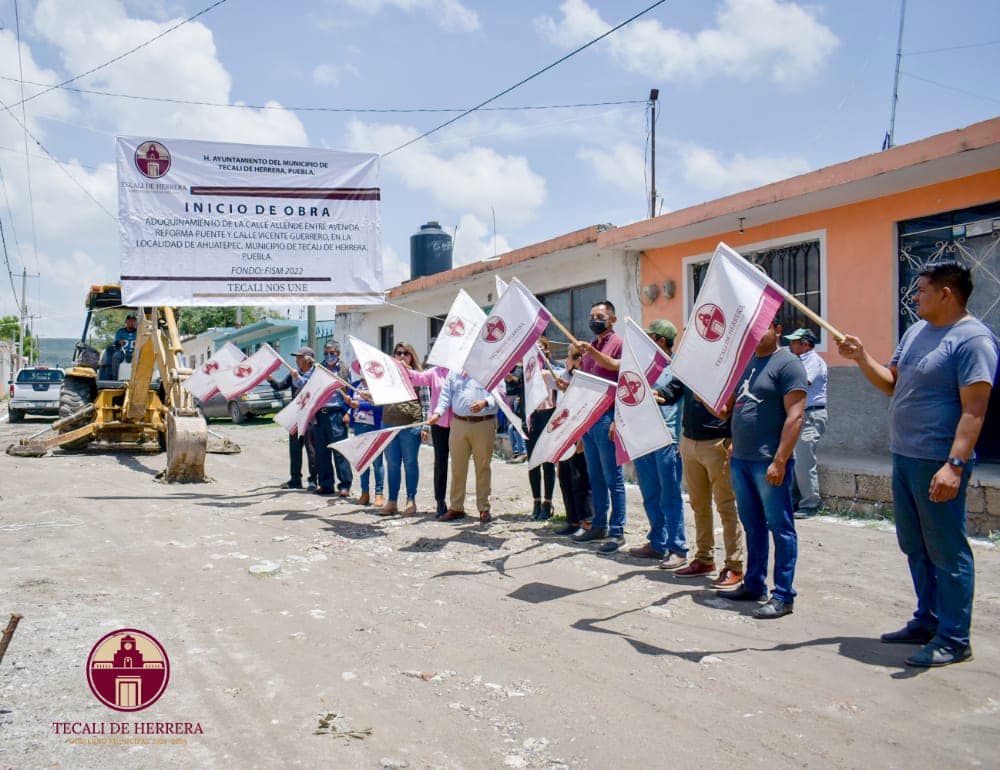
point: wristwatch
(956, 462)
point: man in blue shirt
(939, 380)
(473, 428)
(331, 423)
(801, 342)
(297, 380)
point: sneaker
(744, 594)
(936, 654)
(590, 534)
(804, 513)
(292, 485)
(775, 608)
(696, 568)
(673, 561)
(364, 499)
(645, 552)
(728, 578)
(611, 544)
(911, 633)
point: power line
(317, 108)
(129, 52)
(27, 155)
(952, 48)
(952, 88)
(520, 83)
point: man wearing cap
(801, 342)
(330, 425)
(297, 380)
(123, 345)
(659, 472)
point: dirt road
(458, 646)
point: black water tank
(430, 251)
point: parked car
(35, 390)
(261, 400)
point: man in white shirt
(801, 342)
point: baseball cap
(306, 351)
(132, 316)
(806, 335)
(662, 328)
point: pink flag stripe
(768, 304)
(375, 450)
(253, 382)
(539, 327)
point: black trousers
(574, 483)
(439, 438)
(546, 471)
(295, 446)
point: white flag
(639, 425)
(200, 384)
(504, 405)
(386, 381)
(247, 374)
(362, 449)
(733, 309)
(299, 411)
(512, 327)
(537, 383)
(579, 407)
(464, 321)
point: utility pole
(311, 323)
(22, 316)
(654, 95)
(889, 141)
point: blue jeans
(606, 479)
(659, 475)
(517, 445)
(932, 535)
(400, 455)
(329, 427)
(375, 469)
(766, 509)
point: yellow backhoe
(136, 413)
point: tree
(195, 320)
(10, 329)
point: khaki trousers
(707, 475)
(473, 439)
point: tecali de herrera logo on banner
(128, 670)
(152, 159)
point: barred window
(572, 307)
(797, 268)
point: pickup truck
(35, 390)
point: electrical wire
(530, 77)
(121, 56)
(951, 88)
(314, 108)
(951, 48)
(27, 155)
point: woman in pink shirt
(434, 378)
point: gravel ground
(424, 644)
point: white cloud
(623, 166)
(450, 15)
(395, 269)
(777, 39)
(474, 241)
(333, 74)
(707, 170)
(475, 179)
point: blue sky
(750, 91)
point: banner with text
(212, 223)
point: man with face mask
(601, 357)
(332, 360)
(331, 423)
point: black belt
(815, 407)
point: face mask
(331, 358)
(598, 325)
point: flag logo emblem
(710, 322)
(494, 330)
(558, 420)
(631, 388)
(152, 159)
(456, 328)
(242, 370)
(375, 369)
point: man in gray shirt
(767, 418)
(801, 342)
(939, 380)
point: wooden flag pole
(813, 316)
(337, 377)
(564, 330)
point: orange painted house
(848, 240)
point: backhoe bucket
(187, 438)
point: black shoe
(936, 654)
(324, 492)
(775, 608)
(292, 485)
(536, 510)
(591, 534)
(908, 634)
(569, 529)
(744, 594)
(804, 513)
(611, 545)
(546, 511)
